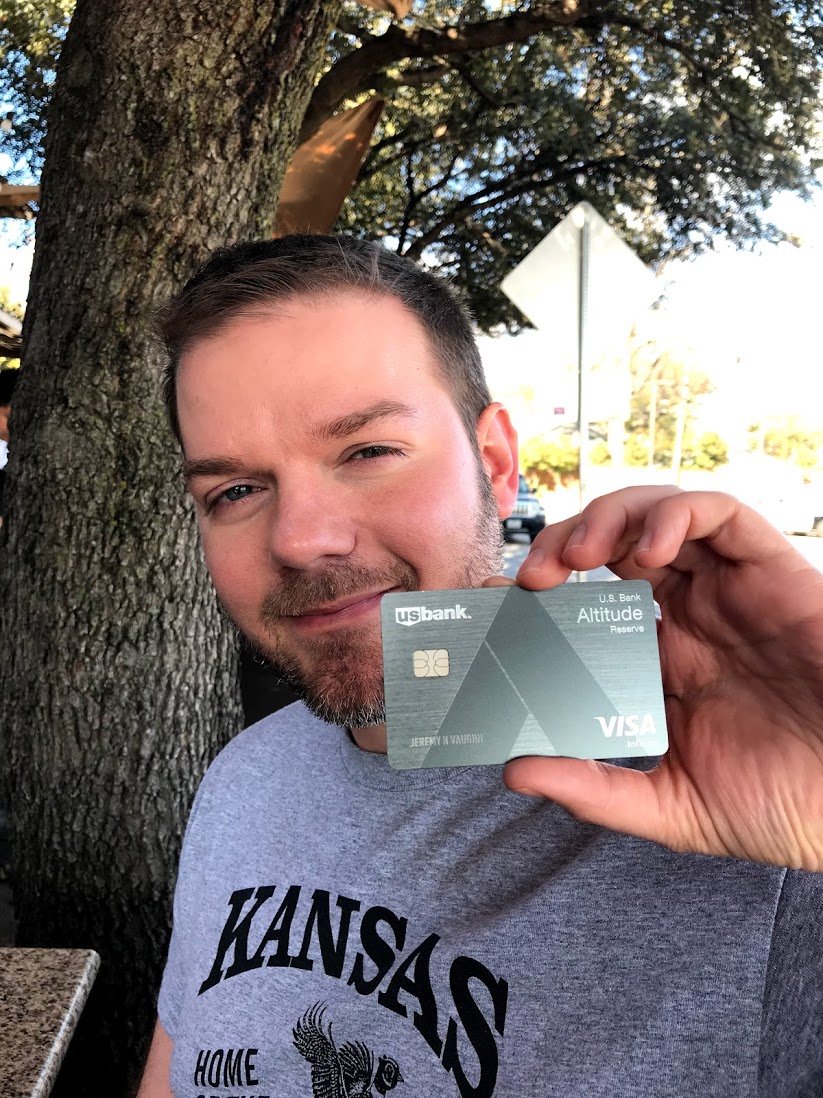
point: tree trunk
(680, 426)
(170, 130)
(652, 421)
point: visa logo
(631, 725)
(412, 615)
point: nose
(312, 520)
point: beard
(340, 676)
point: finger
(498, 581)
(725, 525)
(602, 534)
(612, 528)
(643, 535)
(543, 567)
(595, 792)
(641, 531)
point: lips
(343, 604)
(341, 611)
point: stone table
(42, 993)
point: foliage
(667, 378)
(8, 305)
(31, 34)
(547, 463)
(636, 451)
(709, 452)
(674, 375)
(678, 122)
(789, 438)
(599, 454)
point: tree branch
(10, 346)
(487, 97)
(399, 143)
(416, 197)
(525, 179)
(410, 204)
(357, 71)
(347, 25)
(426, 74)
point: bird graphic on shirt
(344, 1072)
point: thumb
(595, 792)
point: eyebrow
(355, 421)
(326, 432)
(218, 467)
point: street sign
(545, 286)
(584, 285)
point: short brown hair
(241, 279)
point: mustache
(303, 592)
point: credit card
(485, 675)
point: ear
(497, 443)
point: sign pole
(582, 357)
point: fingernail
(578, 536)
(646, 541)
(532, 561)
(527, 792)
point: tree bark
(169, 133)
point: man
(344, 929)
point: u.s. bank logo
(407, 615)
(412, 615)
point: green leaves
(31, 35)
(678, 122)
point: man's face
(330, 465)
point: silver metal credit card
(485, 675)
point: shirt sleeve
(172, 986)
(791, 1047)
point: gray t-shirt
(344, 929)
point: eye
(232, 495)
(237, 491)
(371, 453)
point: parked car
(528, 514)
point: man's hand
(741, 650)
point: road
(516, 551)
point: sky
(755, 318)
(15, 263)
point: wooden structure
(16, 201)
